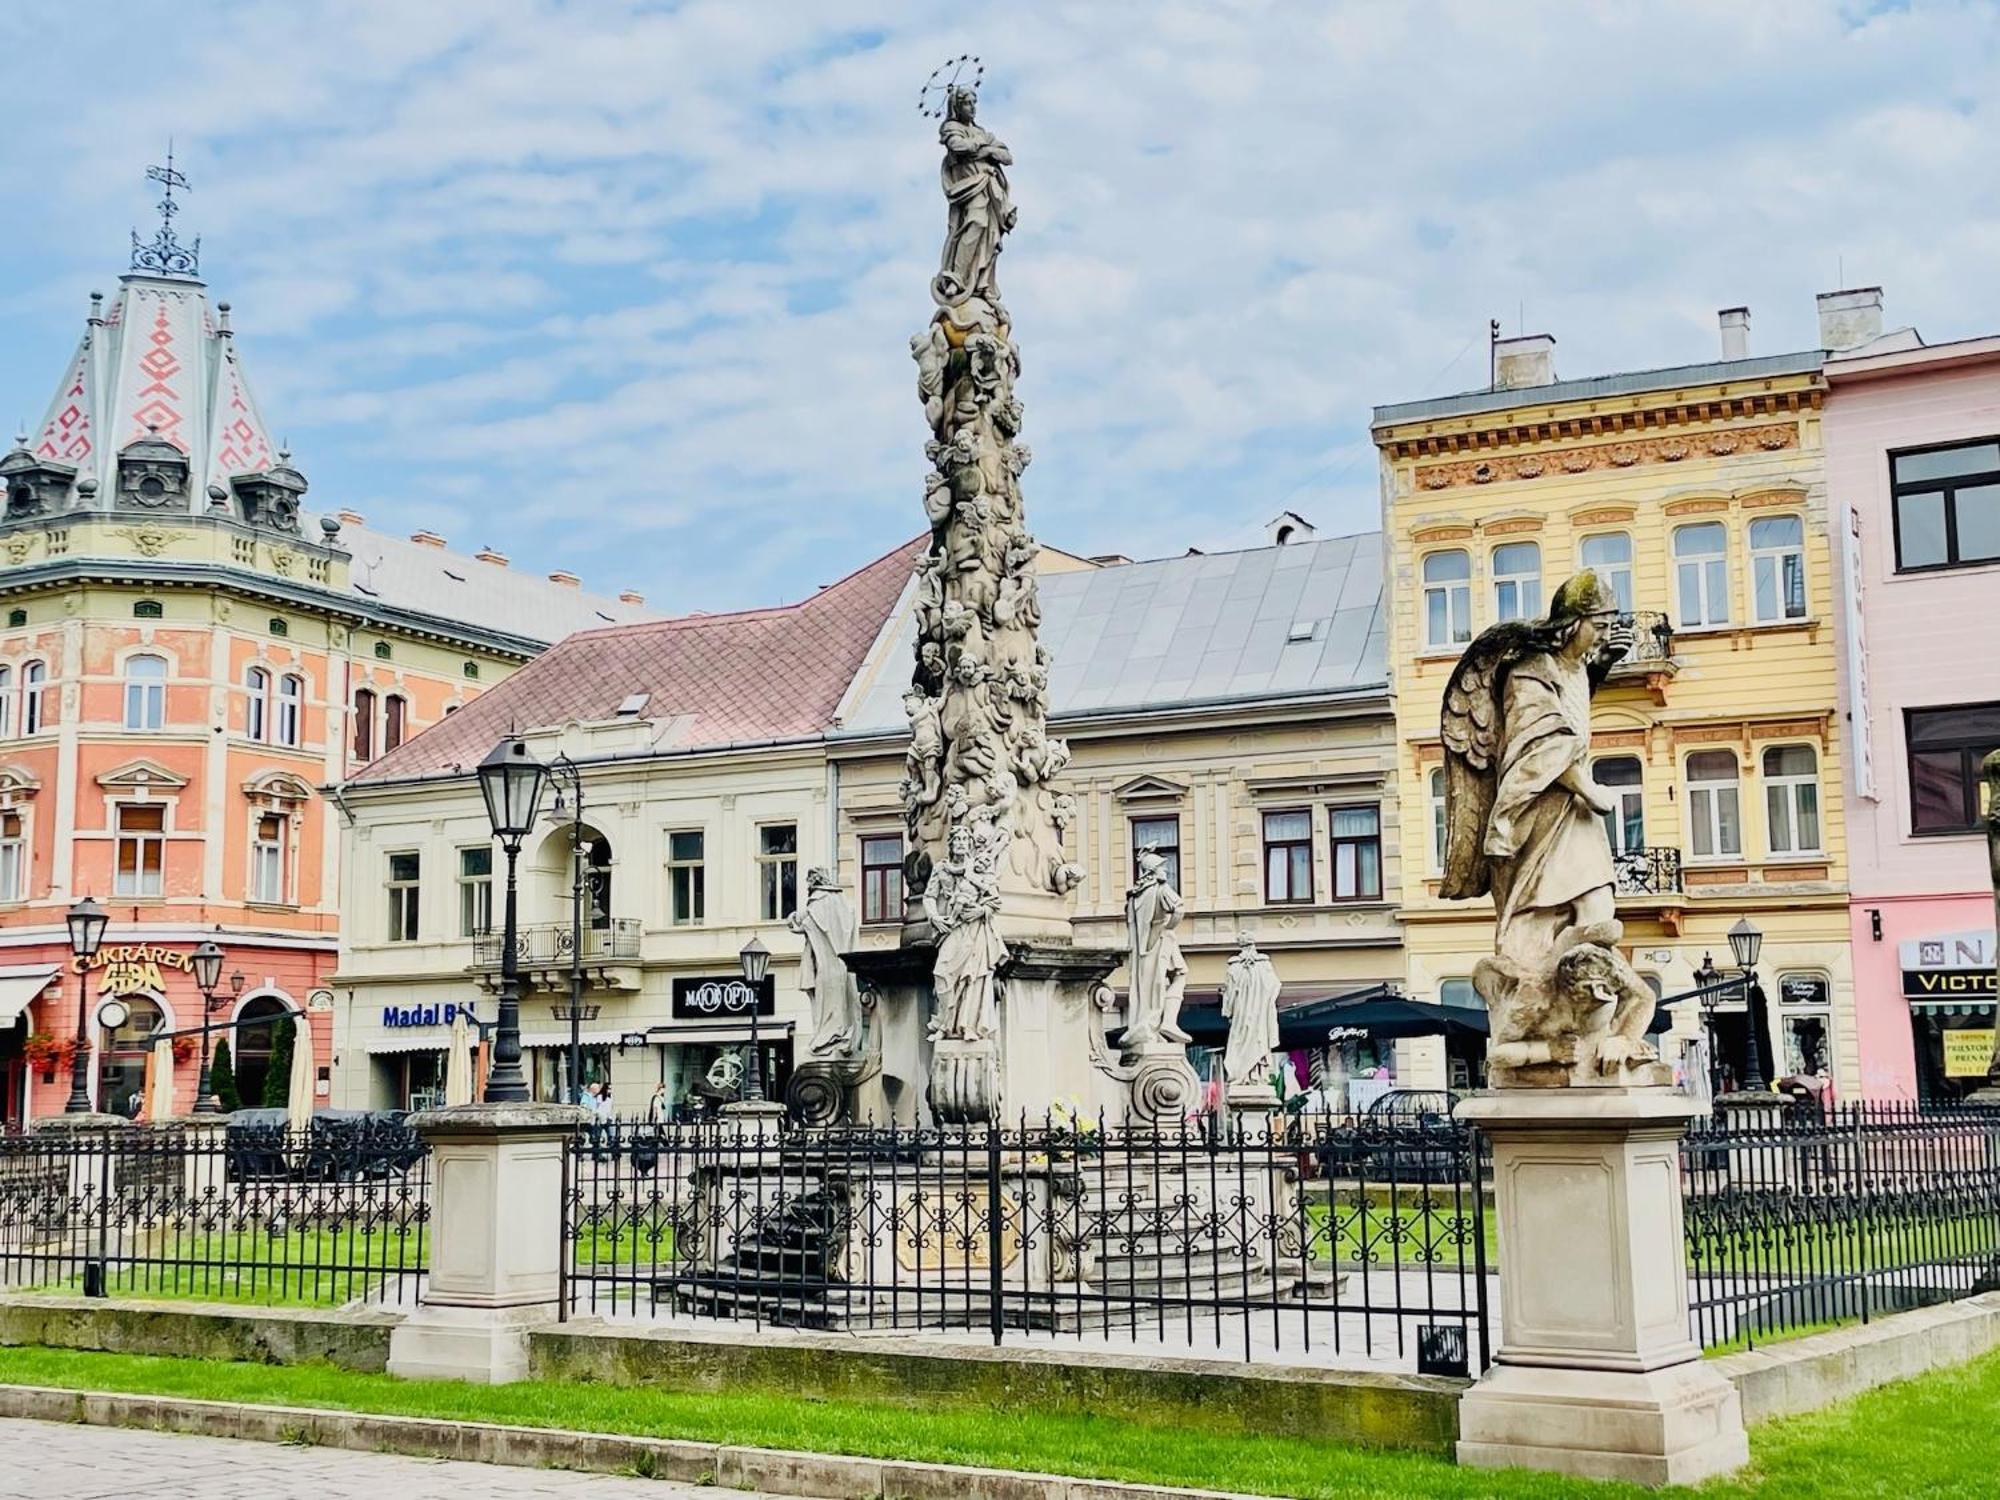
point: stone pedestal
(896, 990)
(495, 1240)
(1597, 1374)
(1047, 991)
(1759, 1154)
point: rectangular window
(291, 694)
(1791, 799)
(1437, 822)
(1447, 599)
(1355, 839)
(393, 711)
(1609, 554)
(882, 878)
(1288, 857)
(475, 891)
(1625, 824)
(145, 692)
(34, 679)
(1162, 835)
(364, 724)
(1777, 569)
(141, 849)
(267, 859)
(404, 870)
(1947, 505)
(1946, 746)
(256, 702)
(13, 858)
(777, 871)
(1517, 581)
(1714, 817)
(686, 877)
(1701, 574)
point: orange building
(186, 660)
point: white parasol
(299, 1094)
(160, 1097)
(458, 1064)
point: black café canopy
(1380, 1011)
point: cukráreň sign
(132, 967)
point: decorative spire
(165, 255)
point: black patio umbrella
(1378, 1010)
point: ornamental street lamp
(511, 781)
(756, 961)
(1746, 941)
(87, 922)
(1707, 979)
(207, 974)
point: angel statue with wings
(1523, 822)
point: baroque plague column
(990, 888)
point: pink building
(1913, 476)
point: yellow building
(1699, 491)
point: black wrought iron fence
(1305, 1234)
(333, 1215)
(1799, 1219)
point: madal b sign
(396, 1017)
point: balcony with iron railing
(1651, 660)
(548, 945)
(1647, 872)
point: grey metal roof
(1626, 383)
(488, 596)
(1189, 630)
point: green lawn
(1933, 1437)
(1408, 1231)
(301, 1268)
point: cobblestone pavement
(41, 1459)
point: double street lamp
(511, 780)
(87, 921)
(1746, 941)
(207, 961)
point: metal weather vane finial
(961, 72)
(164, 254)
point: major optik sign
(132, 967)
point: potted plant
(44, 1052)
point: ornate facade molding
(1596, 457)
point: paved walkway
(40, 1459)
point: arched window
(291, 697)
(1701, 574)
(1517, 581)
(1447, 599)
(121, 1078)
(1715, 824)
(1777, 569)
(393, 712)
(1791, 799)
(1610, 554)
(364, 724)
(1437, 821)
(145, 692)
(6, 702)
(1624, 778)
(34, 682)
(257, 703)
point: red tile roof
(761, 674)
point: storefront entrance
(1949, 983)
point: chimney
(427, 539)
(1735, 323)
(350, 518)
(488, 555)
(567, 580)
(1525, 361)
(632, 597)
(1851, 318)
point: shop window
(1355, 842)
(1447, 599)
(1701, 574)
(267, 859)
(777, 871)
(140, 848)
(403, 887)
(121, 1076)
(687, 879)
(882, 878)
(1791, 799)
(1947, 506)
(364, 724)
(1437, 820)
(1804, 1024)
(13, 858)
(1609, 554)
(145, 692)
(1288, 858)
(1777, 569)
(34, 688)
(475, 891)
(1946, 746)
(291, 698)
(394, 710)
(1715, 823)
(1517, 581)
(1160, 835)
(257, 703)
(1625, 824)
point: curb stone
(776, 1471)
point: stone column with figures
(1597, 1373)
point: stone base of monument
(1161, 1089)
(496, 1240)
(1597, 1374)
(895, 986)
(1048, 996)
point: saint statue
(828, 924)
(979, 212)
(1250, 1006)
(1158, 971)
(961, 900)
(1523, 821)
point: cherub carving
(923, 760)
(971, 728)
(1019, 600)
(931, 350)
(937, 502)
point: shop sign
(399, 1017)
(132, 967)
(1950, 966)
(1967, 1052)
(722, 999)
(1802, 989)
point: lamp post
(1746, 940)
(1706, 978)
(756, 961)
(87, 922)
(511, 781)
(207, 974)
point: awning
(425, 1043)
(1954, 1007)
(585, 1038)
(1377, 1008)
(767, 1031)
(19, 984)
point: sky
(627, 289)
